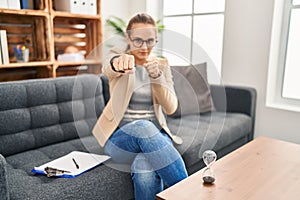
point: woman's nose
(144, 45)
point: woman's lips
(143, 53)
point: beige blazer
(121, 89)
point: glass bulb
(209, 157)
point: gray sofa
(43, 119)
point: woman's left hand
(152, 68)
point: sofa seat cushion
(213, 130)
(102, 182)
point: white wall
(120, 8)
(246, 49)
(114, 7)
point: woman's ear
(128, 41)
(127, 38)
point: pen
(77, 166)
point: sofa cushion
(192, 89)
(36, 113)
(213, 130)
(102, 182)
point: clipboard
(71, 165)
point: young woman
(132, 127)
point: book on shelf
(24, 4)
(3, 4)
(4, 47)
(31, 4)
(14, 4)
(27, 4)
(0, 54)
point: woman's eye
(138, 40)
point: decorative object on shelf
(21, 53)
(71, 54)
(71, 49)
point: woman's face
(141, 39)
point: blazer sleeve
(163, 89)
(118, 49)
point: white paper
(85, 161)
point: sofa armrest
(235, 99)
(3, 180)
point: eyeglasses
(138, 42)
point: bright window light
(296, 2)
(208, 33)
(206, 6)
(177, 39)
(284, 63)
(172, 7)
(202, 24)
(292, 65)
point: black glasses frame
(143, 41)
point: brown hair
(140, 18)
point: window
(194, 33)
(284, 64)
(291, 81)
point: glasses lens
(151, 42)
(138, 42)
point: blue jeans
(154, 160)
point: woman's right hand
(123, 63)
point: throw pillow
(192, 89)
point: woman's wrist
(156, 76)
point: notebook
(71, 165)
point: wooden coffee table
(263, 169)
